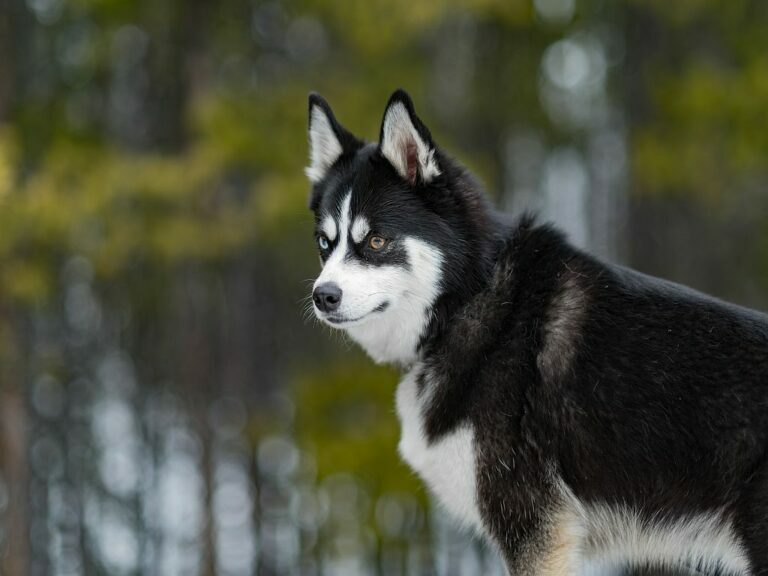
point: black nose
(327, 296)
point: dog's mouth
(338, 320)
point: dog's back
(624, 416)
(563, 407)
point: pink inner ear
(411, 160)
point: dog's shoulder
(538, 291)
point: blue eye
(322, 241)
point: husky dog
(566, 409)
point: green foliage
(118, 209)
(381, 26)
(705, 134)
(345, 414)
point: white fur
(328, 227)
(618, 536)
(398, 132)
(324, 146)
(335, 268)
(360, 229)
(391, 335)
(447, 466)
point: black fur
(631, 390)
(664, 406)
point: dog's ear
(328, 140)
(406, 142)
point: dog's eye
(376, 242)
(323, 243)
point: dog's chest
(448, 465)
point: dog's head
(394, 225)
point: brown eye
(376, 242)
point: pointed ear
(406, 142)
(328, 140)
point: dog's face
(379, 237)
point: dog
(568, 410)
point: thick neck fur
(526, 271)
(471, 265)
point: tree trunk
(7, 70)
(196, 371)
(15, 557)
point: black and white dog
(567, 409)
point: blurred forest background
(164, 407)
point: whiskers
(309, 316)
(308, 310)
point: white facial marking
(324, 146)
(448, 465)
(398, 135)
(336, 269)
(386, 308)
(394, 335)
(360, 229)
(344, 217)
(328, 227)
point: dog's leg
(550, 545)
(752, 521)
